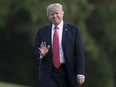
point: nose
(54, 15)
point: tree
(101, 26)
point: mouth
(55, 19)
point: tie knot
(55, 27)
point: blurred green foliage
(19, 20)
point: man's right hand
(43, 49)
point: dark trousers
(59, 77)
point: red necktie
(56, 55)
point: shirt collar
(60, 25)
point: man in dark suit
(58, 48)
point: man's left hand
(80, 79)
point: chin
(56, 23)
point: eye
(51, 14)
(56, 13)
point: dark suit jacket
(72, 48)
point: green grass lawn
(4, 84)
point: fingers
(43, 48)
(80, 79)
(43, 44)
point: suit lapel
(65, 29)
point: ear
(63, 12)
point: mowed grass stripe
(5, 84)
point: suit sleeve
(79, 52)
(36, 45)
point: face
(55, 15)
